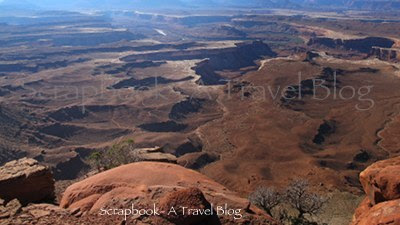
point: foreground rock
(45, 214)
(10, 209)
(26, 181)
(381, 183)
(381, 180)
(382, 213)
(144, 184)
(191, 198)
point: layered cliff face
(381, 183)
(386, 54)
(363, 45)
(242, 55)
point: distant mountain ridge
(156, 4)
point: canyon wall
(363, 45)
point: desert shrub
(299, 196)
(266, 199)
(293, 206)
(114, 156)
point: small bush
(297, 199)
(118, 154)
(266, 199)
(300, 198)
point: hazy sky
(129, 4)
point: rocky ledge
(155, 154)
(381, 183)
(27, 181)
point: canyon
(215, 103)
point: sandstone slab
(383, 213)
(146, 183)
(26, 181)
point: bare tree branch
(266, 198)
(299, 197)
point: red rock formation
(381, 180)
(381, 183)
(144, 184)
(26, 181)
(191, 198)
(382, 213)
